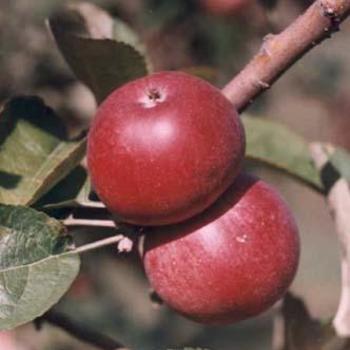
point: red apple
(225, 7)
(163, 148)
(229, 263)
(7, 340)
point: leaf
(340, 159)
(333, 164)
(71, 199)
(272, 143)
(102, 53)
(66, 156)
(35, 266)
(66, 192)
(34, 152)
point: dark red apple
(229, 263)
(163, 148)
(225, 7)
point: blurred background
(214, 39)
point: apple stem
(71, 221)
(279, 52)
(124, 245)
(338, 199)
(154, 95)
(125, 241)
(98, 244)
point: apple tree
(163, 166)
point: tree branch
(81, 332)
(279, 52)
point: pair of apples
(165, 152)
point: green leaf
(35, 268)
(332, 162)
(71, 199)
(34, 152)
(340, 159)
(272, 143)
(67, 192)
(104, 54)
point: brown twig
(279, 52)
(338, 198)
(81, 332)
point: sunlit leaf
(340, 159)
(34, 151)
(272, 143)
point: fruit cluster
(165, 152)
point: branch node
(262, 84)
(267, 41)
(279, 51)
(328, 11)
(332, 14)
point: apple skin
(229, 263)
(163, 148)
(225, 7)
(7, 340)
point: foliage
(39, 166)
(36, 266)
(35, 153)
(103, 59)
